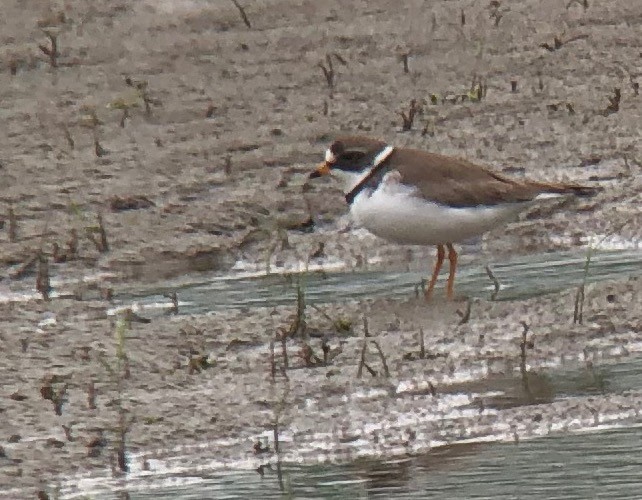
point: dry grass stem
(386, 371)
(241, 10)
(13, 225)
(495, 281)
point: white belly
(395, 215)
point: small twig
(340, 58)
(121, 445)
(13, 225)
(59, 400)
(495, 12)
(72, 244)
(272, 362)
(243, 14)
(275, 431)
(52, 51)
(67, 430)
(495, 281)
(523, 346)
(284, 349)
(583, 3)
(70, 140)
(362, 361)
(366, 333)
(325, 347)
(98, 149)
(101, 242)
(173, 296)
(13, 66)
(328, 72)
(578, 309)
(383, 358)
(465, 317)
(409, 117)
(404, 59)
(279, 472)
(614, 102)
(91, 395)
(43, 284)
(339, 326)
(558, 43)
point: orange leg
(441, 254)
(452, 257)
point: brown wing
(460, 183)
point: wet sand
(215, 172)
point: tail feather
(562, 188)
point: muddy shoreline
(214, 173)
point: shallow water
(602, 464)
(527, 276)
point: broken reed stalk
(578, 310)
(275, 431)
(173, 296)
(72, 245)
(279, 472)
(43, 284)
(52, 51)
(59, 399)
(327, 317)
(408, 118)
(101, 242)
(121, 445)
(325, 347)
(91, 395)
(284, 349)
(523, 346)
(68, 137)
(328, 72)
(241, 10)
(366, 333)
(121, 373)
(272, 362)
(465, 317)
(614, 102)
(13, 225)
(386, 371)
(495, 281)
(362, 361)
(300, 310)
(404, 59)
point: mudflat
(146, 140)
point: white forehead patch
(329, 156)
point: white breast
(393, 213)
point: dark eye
(352, 156)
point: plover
(414, 197)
